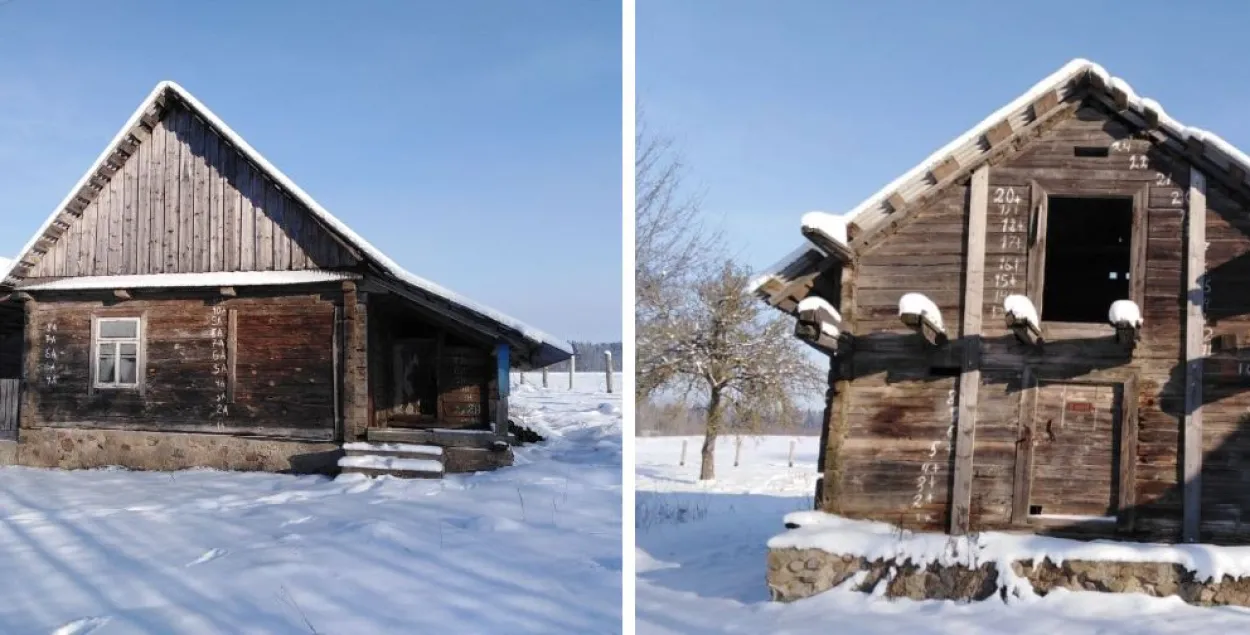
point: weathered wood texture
(283, 371)
(894, 461)
(188, 201)
(425, 375)
(970, 364)
(10, 405)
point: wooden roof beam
(944, 169)
(1044, 104)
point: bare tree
(671, 245)
(745, 362)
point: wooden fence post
(544, 376)
(738, 451)
(607, 358)
(572, 369)
(683, 453)
(792, 452)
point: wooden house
(1004, 392)
(188, 305)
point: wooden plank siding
(896, 395)
(253, 364)
(187, 201)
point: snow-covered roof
(973, 145)
(549, 349)
(175, 280)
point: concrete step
(447, 438)
(396, 450)
(373, 465)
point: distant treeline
(590, 356)
(654, 420)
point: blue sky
(786, 107)
(478, 143)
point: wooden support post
(1195, 271)
(30, 369)
(503, 364)
(572, 369)
(683, 452)
(355, 363)
(607, 361)
(738, 451)
(792, 442)
(544, 376)
(970, 377)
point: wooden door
(414, 371)
(10, 398)
(1075, 436)
(464, 387)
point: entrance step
(395, 450)
(443, 437)
(374, 465)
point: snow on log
(819, 324)
(920, 313)
(1022, 319)
(828, 232)
(1125, 316)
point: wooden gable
(185, 200)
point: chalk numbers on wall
(221, 368)
(937, 453)
(1012, 222)
(48, 359)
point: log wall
(897, 401)
(253, 364)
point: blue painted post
(504, 366)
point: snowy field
(700, 558)
(529, 549)
(559, 381)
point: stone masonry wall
(794, 574)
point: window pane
(104, 372)
(119, 328)
(129, 349)
(127, 368)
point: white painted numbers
(1138, 162)
(221, 367)
(48, 368)
(938, 451)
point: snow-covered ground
(582, 381)
(530, 549)
(701, 549)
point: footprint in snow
(81, 626)
(211, 554)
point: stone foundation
(457, 460)
(794, 574)
(68, 448)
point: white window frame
(97, 342)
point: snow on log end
(1020, 309)
(817, 303)
(920, 304)
(831, 226)
(1124, 314)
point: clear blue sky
(785, 107)
(478, 143)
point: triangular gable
(205, 196)
(957, 158)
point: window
(1088, 255)
(117, 352)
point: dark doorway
(1088, 252)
